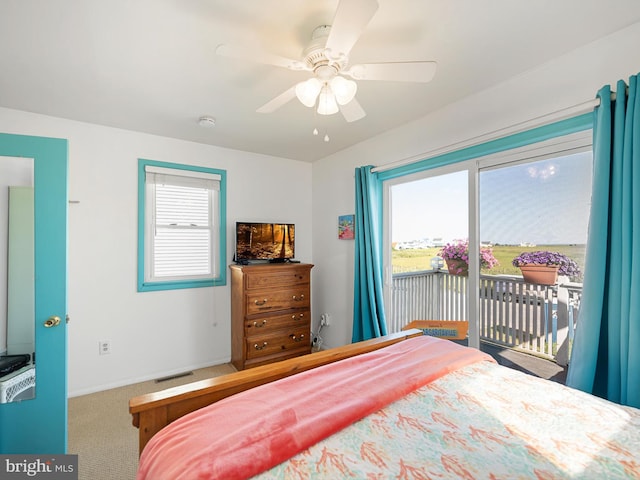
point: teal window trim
(510, 142)
(221, 279)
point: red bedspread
(255, 430)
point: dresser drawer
(274, 300)
(282, 342)
(277, 278)
(266, 325)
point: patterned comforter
(483, 421)
(421, 409)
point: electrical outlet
(104, 347)
(325, 319)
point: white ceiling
(150, 65)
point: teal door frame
(39, 426)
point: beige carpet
(100, 429)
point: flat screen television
(274, 242)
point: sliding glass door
(489, 210)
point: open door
(39, 425)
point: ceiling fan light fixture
(327, 104)
(343, 89)
(307, 91)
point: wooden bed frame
(153, 411)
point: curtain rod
(552, 117)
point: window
(181, 226)
(426, 214)
(543, 204)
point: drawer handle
(259, 325)
(298, 299)
(260, 302)
(260, 347)
(297, 339)
(301, 316)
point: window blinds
(182, 222)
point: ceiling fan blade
(279, 101)
(394, 71)
(350, 20)
(352, 111)
(258, 56)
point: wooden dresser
(270, 313)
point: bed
(403, 406)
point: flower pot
(458, 267)
(540, 274)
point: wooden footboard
(153, 411)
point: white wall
(152, 334)
(567, 81)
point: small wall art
(346, 227)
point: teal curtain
(368, 307)
(605, 359)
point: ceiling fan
(327, 57)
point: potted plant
(543, 267)
(457, 257)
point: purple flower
(568, 266)
(460, 251)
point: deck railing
(534, 318)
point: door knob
(52, 321)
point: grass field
(420, 259)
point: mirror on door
(17, 280)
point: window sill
(180, 284)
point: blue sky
(544, 202)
